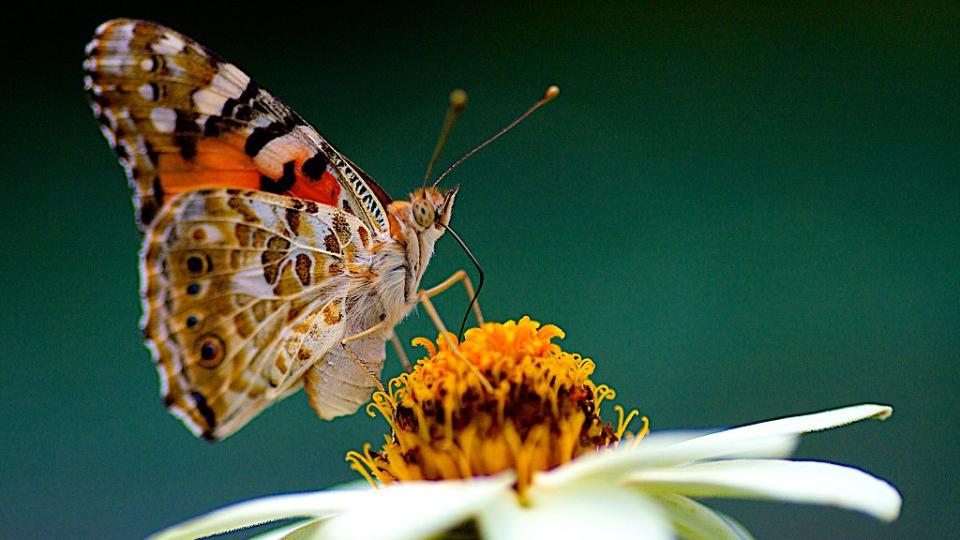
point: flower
(501, 437)
(507, 398)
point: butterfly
(270, 261)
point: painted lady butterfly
(270, 261)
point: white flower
(645, 490)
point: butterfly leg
(459, 275)
(401, 354)
(435, 317)
(356, 358)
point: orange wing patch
(180, 118)
(216, 164)
(325, 190)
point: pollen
(540, 410)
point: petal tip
(883, 412)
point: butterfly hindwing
(181, 118)
(243, 293)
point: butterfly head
(415, 226)
(431, 210)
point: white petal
(290, 532)
(694, 521)
(795, 425)
(575, 512)
(259, 511)
(661, 451)
(414, 510)
(308, 531)
(794, 481)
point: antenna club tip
(458, 99)
(552, 92)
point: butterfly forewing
(179, 118)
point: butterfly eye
(423, 213)
(210, 350)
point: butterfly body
(264, 247)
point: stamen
(426, 344)
(604, 393)
(362, 463)
(643, 431)
(623, 423)
(541, 409)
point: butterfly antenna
(476, 293)
(552, 92)
(458, 102)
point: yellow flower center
(539, 410)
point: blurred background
(739, 212)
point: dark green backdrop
(739, 212)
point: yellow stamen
(534, 407)
(362, 463)
(643, 431)
(622, 422)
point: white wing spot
(102, 28)
(120, 40)
(226, 85)
(233, 73)
(106, 64)
(170, 44)
(208, 101)
(109, 136)
(147, 64)
(147, 91)
(164, 119)
(111, 116)
(92, 45)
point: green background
(739, 212)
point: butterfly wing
(181, 118)
(243, 292)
